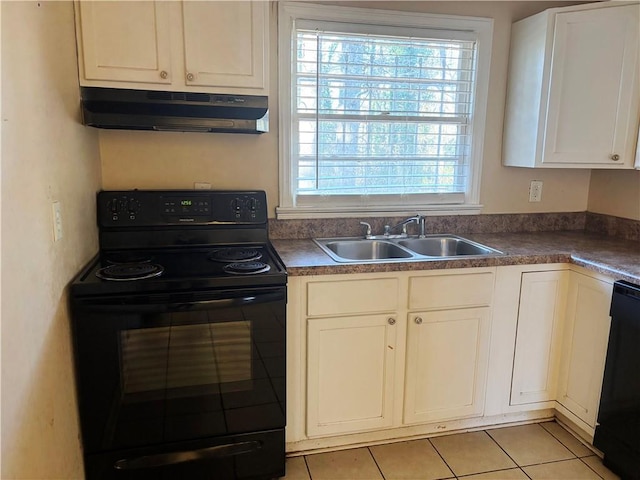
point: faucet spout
(368, 229)
(419, 219)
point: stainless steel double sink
(430, 247)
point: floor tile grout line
(525, 473)
(590, 468)
(304, 457)
(565, 445)
(479, 473)
(500, 447)
(462, 477)
(540, 463)
(551, 461)
(376, 462)
(441, 457)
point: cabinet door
(585, 346)
(447, 353)
(226, 44)
(124, 41)
(350, 365)
(593, 102)
(538, 336)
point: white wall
(177, 160)
(47, 155)
(615, 193)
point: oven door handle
(173, 458)
(168, 306)
(226, 302)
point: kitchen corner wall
(615, 193)
(230, 161)
(47, 156)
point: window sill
(291, 213)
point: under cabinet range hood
(173, 111)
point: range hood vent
(173, 111)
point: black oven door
(160, 369)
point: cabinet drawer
(352, 296)
(437, 292)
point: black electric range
(180, 240)
(179, 269)
(179, 327)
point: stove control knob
(133, 206)
(114, 206)
(236, 205)
(253, 204)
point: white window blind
(381, 115)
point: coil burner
(235, 254)
(123, 258)
(130, 271)
(246, 268)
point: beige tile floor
(541, 451)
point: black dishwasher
(618, 431)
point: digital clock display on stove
(183, 206)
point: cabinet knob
(615, 157)
(418, 320)
(190, 76)
(391, 320)
(164, 74)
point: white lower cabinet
(585, 346)
(351, 346)
(447, 354)
(350, 373)
(358, 377)
(385, 355)
(539, 336)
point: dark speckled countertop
(611, 256)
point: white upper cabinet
(215, 47)
(120, 42)
(572, 98)
(225, 43)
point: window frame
(290, 14)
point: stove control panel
(180, 207)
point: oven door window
(156, 370)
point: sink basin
(363, 250)
(446, 246)
(358, 249)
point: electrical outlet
(535, 191)
(202, 186)
(57, 221)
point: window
(379, 115)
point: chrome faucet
(419, 219)
(368, 231)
